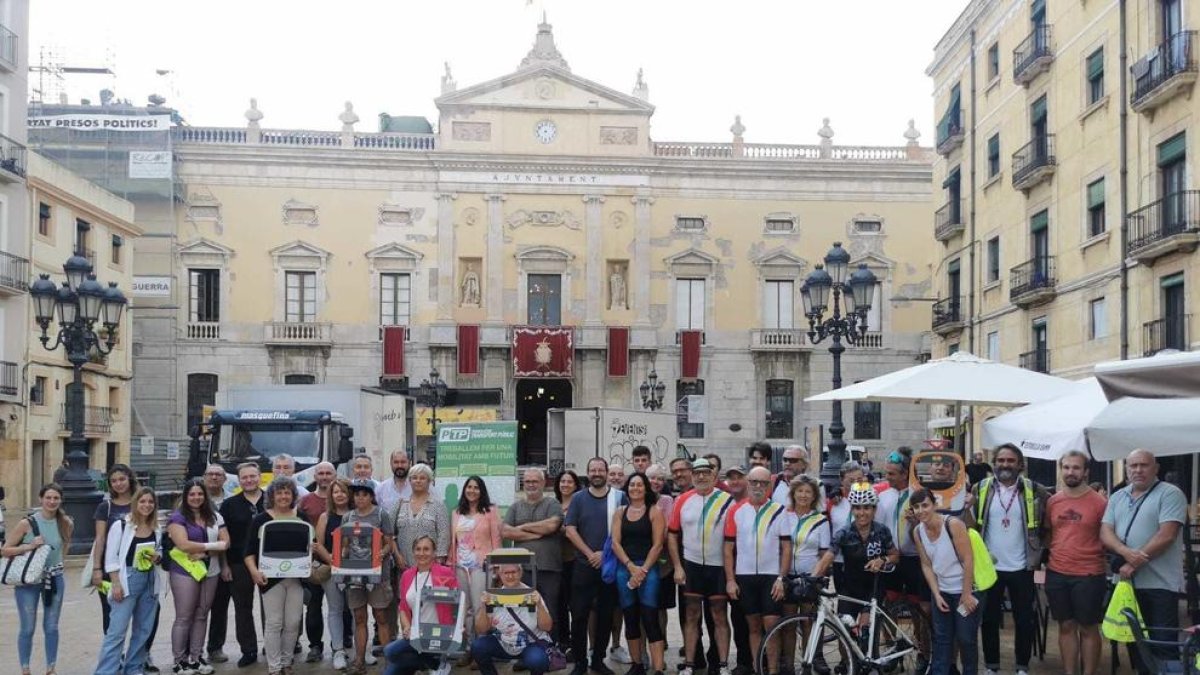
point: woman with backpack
(48, 525)
(948, 563)
(193, 552)
(131, 554)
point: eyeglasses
(792, 460)
(760, 483)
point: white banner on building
(143, 164)
(102, 122)
(697, 409)
(546, 179)
(152, 287)
(147, 446)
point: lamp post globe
(45, 296)
(114, 304)
(76, 269)
(837, 261)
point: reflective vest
(1027, 488)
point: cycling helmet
(861, 494)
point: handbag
(608, 562)
(1115, 561)
(558, 660)
(28, 568)
(319, 573)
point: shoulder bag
(28, 568)
(1115, 561)
(558, 660)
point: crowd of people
(614, 554)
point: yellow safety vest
(1027, 488)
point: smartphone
(962, 609)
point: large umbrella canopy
(1047, 429)
(958, 378)
(1164, 375)
(1164, 426)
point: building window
(779, 408)
(299, 378)
(44, 219)
(952, 349)
(114, 401)
(82, 227)
(37, 393)
(778, 301)
(689, 223)
(1095, 208)
(868, 226)
(993, 259)
(117, 244)
(993, 346)
(545, 299)
(1172, 174)
(689, 304)
(993, 61)
(301, 297)
(875, 313)
(780, 225)
(1097, 319)
(689, 408)
(204, 297)
(1095, 76)
(868, 420)
(201, 391)
(394, 299)
(993, 155)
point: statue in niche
(616, 288)
(470, 287)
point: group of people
(613, 551)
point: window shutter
(1172, 149)
(994, 146)
(1037, 112)
(953, 266)
(1039, 221)
(954, 178)
(1095, 64)
(1095, 195)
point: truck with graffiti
(575, 435)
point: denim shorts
(646, 595)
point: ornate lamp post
(828, 288)
(432, 394)
(80, 303)
(652, 391)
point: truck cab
(239, 436)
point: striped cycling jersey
(756, 533)
(700, 520)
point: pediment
(299, 249)
(873, 260)
(394, 251)
(780, 257)
(551, 253)
(692, 256)
(204, 247)
(544, 87)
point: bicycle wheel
(914, 623)
(834, 656)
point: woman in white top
(131, 557)
(518, 633)
(948, 564)
(810, 533)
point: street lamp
(432, 394)
(652, 391)
(88, 317)
(828, 288)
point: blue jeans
(28, 599)
(486, 649)
(136, 609)
(403, 659)
(950, 628)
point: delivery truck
(575, 435)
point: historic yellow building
(541, 199)
(1066, 219)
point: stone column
(493, 266)
(639, 271)
(594, 265)
(447, 294)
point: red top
(1074, 542)
(441, 577)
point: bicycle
(832, 648)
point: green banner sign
(485, 449)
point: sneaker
(725, 671)
(314, 655)
(217, 656)
(620, 655)
(201, 667)
(685, 669)
(183, 668)
(443, 668)
(370, 659)
(248, 659)
(339, 660)
(1022, 671)
(601, 668)
(149, 666)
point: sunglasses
(792, 460)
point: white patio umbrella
(1165, 426)
(1047, 429)
(960, 378)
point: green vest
(1027, 489)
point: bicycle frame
(827, 606)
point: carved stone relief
(469, 285)
(299, 213)
(545, 88)
(394, 214)
(618, 219)
(618, 135)
(472, 131)
(470, 216)
(204, 209)
(544, 219)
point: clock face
(545, 131)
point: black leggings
(639, 615)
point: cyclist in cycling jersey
(865, 545)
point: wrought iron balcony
(1037, 360)
(1169, 332)
(1034, 162)
(1034, 55)
(8, 49)
(779, 340)
(96, 419)
(1163, 227)
(1033, 282)
(1164, 73)
(12, 159)
(948, 220)
(950, 132)
(947, 316)
(297, 333)
(10, 375)
(14, 274)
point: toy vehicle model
(944, 474)
(285, 549)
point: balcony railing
(778, 339)
(679, 338)
(204, 330)
(14, 273)
(1169, 332)
(872, 340)
(947, 314)
(950, 132)
(1169, 224)
(96, 419)
(1159, 75)
(948, 220)
(1033, 56)
(1037, 360)
(1034, 162)
(8, 49)
(1033, 281)
(12, 159)
(9, 377)
(298, 333)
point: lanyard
(1016, 488)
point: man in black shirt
(238, 511)
(978, 469)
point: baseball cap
(363, 485)
(738, 469)
(702, 463)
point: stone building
(541, 201)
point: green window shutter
(1173, 280)
(1095, 194)
(994, 146)
(1172, 149)
(1037, 112)
(953, 178)
(955, 98)
(1037, 10)
(953, 266)
(1039, 221)
(1095, 64)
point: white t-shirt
(428, 613)
(840, 516)
(389, 496)
(1005, 532)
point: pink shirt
(484, 538)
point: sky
(783, 65)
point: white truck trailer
(575, 435)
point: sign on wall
(144, 164)
(146, 287)
(484, 449)
(102, 122)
